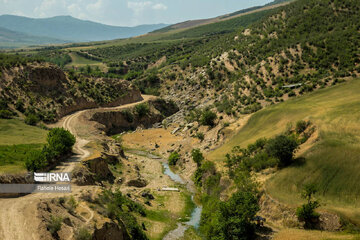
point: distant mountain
(11, 39)
(72, 29)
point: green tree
(197, 156)
(142, 109)
(306, 212)
(174, 158)
(32, 119)
(208, 118)
(282, 147)
(60, 140)
(35, 160)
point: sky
(127, 12)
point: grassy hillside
(16, 140)
(332, 163)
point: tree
(142, 109)
(60, 140)
(32, 119)
(197, 156)
(35, 160)
(306, 212)
(173, 158)
(208, 118)
(282, 147)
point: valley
(242, 126)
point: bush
(282, 147)
(20, 106)
(173, 158)
(301, 126)
(5, 114)
(60, 140)
(197, 156)
(35, 160)
(208, 118)
(142, 109)
(128, 115)
(83, 234)
(306, 212)
(32, 119)
(200, 136)
(54, 225)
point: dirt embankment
(51, 93)
(113, 122)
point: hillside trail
(18, 216)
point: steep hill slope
(72, 29)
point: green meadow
(16, 140)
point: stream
(194, 220)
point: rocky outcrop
(138, 182)
(117, 121)
(111, 231)
(82, 176)
(99, 167)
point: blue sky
(127, 12)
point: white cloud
(159, 6)
(98, 5)
(139, 7)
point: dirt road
(18, 216)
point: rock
(119, 180)
(139, 183)
(100, 168)
(82, 176)
(175, 130)
(148, 195)
(111, 231)
(67, 221)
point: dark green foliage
(119, 207)
(232, 219)
(282, 147)
(19, 105)
(35, 160)
(173, 158)
(54, 225)
(301, 126)
(6, 114)
(128, 115)
(142, 109)
(60, 140)
(32, 119)
(200, 136)
(10, 60)
(197, 156)
(306, 212)
(83, 234)
(59, 143)
(208, 118)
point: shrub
(83, 234)
(32, 119)
(200, 136)
(173, 158)
(5, 114)
(54, 225)
(128, 115)
(72, 204)
(197, 156)
(19, 105)
(142, 109)
(306, 212)
(282, 147)
(208, 118)
(35, 160)
(60, 140)
(301, 126)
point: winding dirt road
(18, 216)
